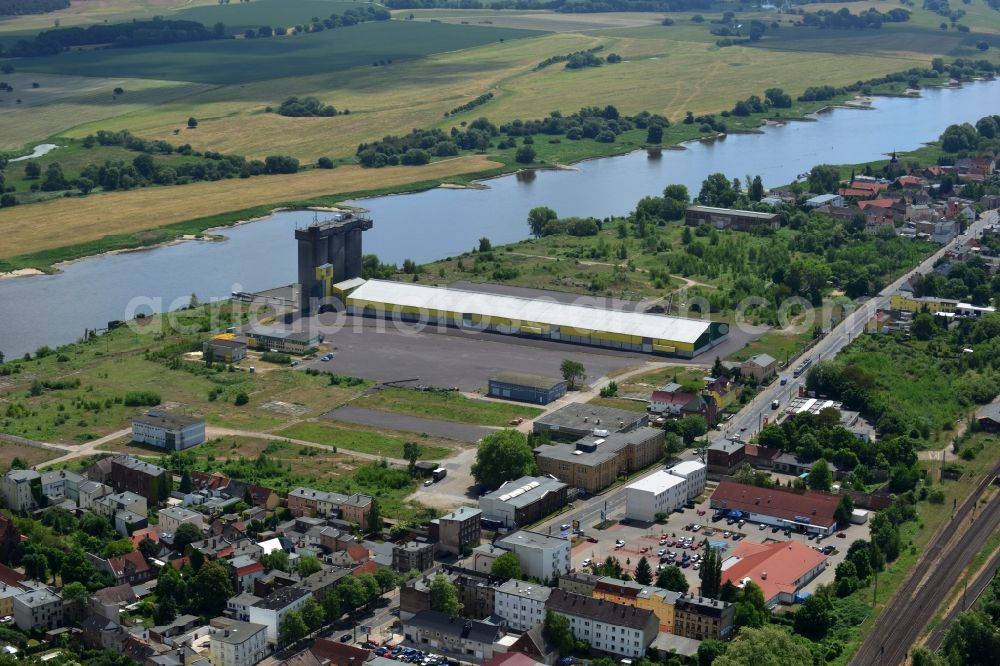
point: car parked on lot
(619, 544)
(345, 638)
(762, 527)
(586, 562)
(841, 535)
(661, 552)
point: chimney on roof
(763, 575)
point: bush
(525, 155)
(324, 163)
(276, 357)
(241, 399)
(141, 399)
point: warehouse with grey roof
(536, 318)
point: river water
(55, 309)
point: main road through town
(901, 623)
(751, 417)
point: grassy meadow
(445, 406)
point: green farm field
(242, 60)
(238, 17)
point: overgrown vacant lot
(445, 406)
(375, 441)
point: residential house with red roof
(130, 568)
(781, 569)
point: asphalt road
(749, 419)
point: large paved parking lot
(379, 350)
(639, 536)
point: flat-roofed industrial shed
(537, 318)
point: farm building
(524, 387)
(535, 318)
(729, 218)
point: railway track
(969, 597)
(904, 618)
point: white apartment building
(109, 505)
(540, 555)
(695, 473)
(173, 517)
(522, 604)
(660, 492)
(238, 644)
(38, 609)
(271, 610)
(61, 484)
(16, 485)
(610, 627)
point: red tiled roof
(878, 203)
(339, 653)
(368, 567)
(773, 566)
(9, 576)
(358, 552)
(865, 185)
(851, 192)
(152, 532)
(212, 480)
(250, 568)
(510, 659)
(908, 180)
(785, 503)
(120, 565)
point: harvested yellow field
(382, 100)
(44, 226)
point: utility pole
(875, 591)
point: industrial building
(577, 420)
(658, 493)
(807, 511)
(781, 569)
(328, 252)
(523, 501)
(524, 387)
(226, 348)
(535, 318)
(596, 461)
(164, 430)
(729, 218)
(281, 340)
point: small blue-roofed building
(524, 387)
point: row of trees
(351, 594)
(118, 35)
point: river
(55, 309)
